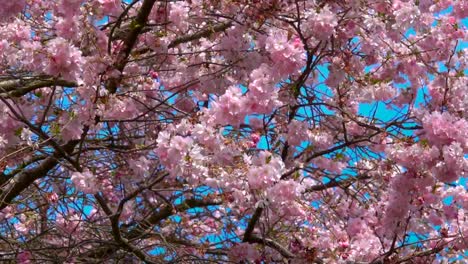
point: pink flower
(229, 108)
(444, 128)
(282, 198)
(244, 251)
(450, 212)
(355, 129)
(355, 226)
(22, 228)
(454, 164)
(85, 181)
(344, 244)
(322, 25)
(266, 171)
(121, 108)
(321, 139)
(284, 192)
(255, 137)
(24, 257)
(261, 177)
(140, 166)
(406, 15)
(64, 60)
(460, 9)
(414, 156)
(262, 81)
(297, 132)
(52, 197)
(288, 56)
(455, 160)
(185, 104)
(11, 8)
(336, 76)
(69, 223)
(297, 43)
(67, 27)
(435, 219)
(179, 15)
(154, 74)
(329, 164)
(69, 7)
(109, 7)
(72, 130)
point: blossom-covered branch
(266, 131)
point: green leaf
(339, 156)
(296, 90)
(18, 131)
(424, 142)
(55, 129)
(135, 25)
(296, 175)
(310, 148)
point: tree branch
(21, 86)
(336, 183)
(272, 244)
(22, 180)
(252, 223)
(200, 34)
(152, 220)
(136, 27)
(122, 242)
(167, 211)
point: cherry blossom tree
(233, 131)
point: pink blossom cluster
(85, 182)
(11, 8)
(266, 131)
(265, 171)
(321, 25)
(445, 128)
